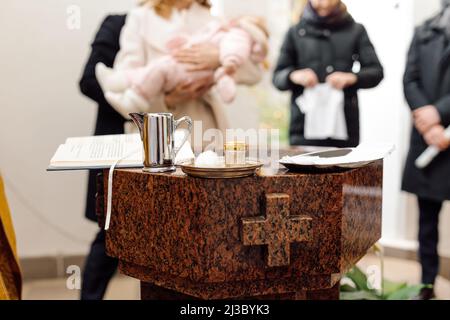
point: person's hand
(187, 91)
(341, 80)
(425, 118)
(305, 77)
(199, 57)
(436, 137)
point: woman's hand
(436, 137)
(188, 91)
(425, 118)
(305, 77)
(341, 80)
(204, 56)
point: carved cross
(277, 229)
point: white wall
(425, 9)
(40, 106)
(384, 114)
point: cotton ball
(207, 159)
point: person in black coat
(99, 268)
(323, 47)
(427, 90)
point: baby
(238, 41)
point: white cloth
(323, 107)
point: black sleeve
(371, 73)
(104, 49)
(443, 107)
(287, 63)
(412, 79)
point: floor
(120, 288)
(124, 288)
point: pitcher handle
(177, 123)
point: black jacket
(104, 49)
(427, 82)
(326, 50)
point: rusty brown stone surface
(150, 291)
(277, 229)
(188, 235)
(361, 214)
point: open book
(98, 152)
(101, 152)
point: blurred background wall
(40, 106)
(41, 61)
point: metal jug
(157, 134)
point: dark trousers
(98, 270)
(428, 238)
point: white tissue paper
(323, 107)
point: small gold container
(235, 153)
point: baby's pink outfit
(164, 74)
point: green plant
(358, 289)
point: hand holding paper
(425, 118)
(425, 159)
(305, 77)
(341, 80)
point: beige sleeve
(132, 46)
(250, 73)
(158, 104)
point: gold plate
(223, 172)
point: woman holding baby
(174, 57)
(159, 54)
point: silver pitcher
(157, 134)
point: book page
(99, 149)
(113, 138)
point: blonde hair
(164, 7)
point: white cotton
(208, 159)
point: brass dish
(222, 172)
